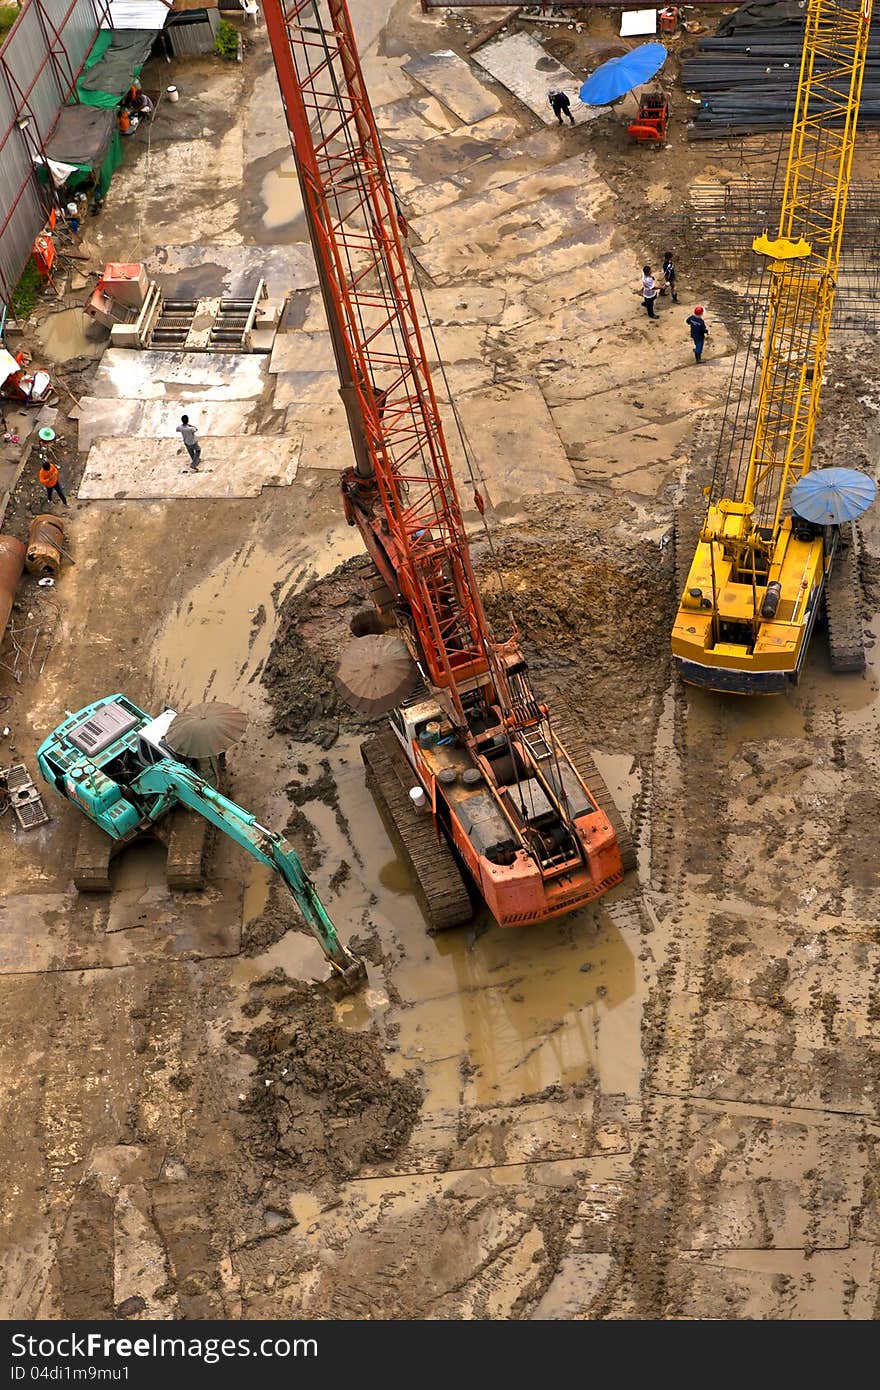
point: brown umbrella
(205, 731)
(375, 673)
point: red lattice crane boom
(535, 838)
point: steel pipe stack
(747, 73)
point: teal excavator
(111, 760)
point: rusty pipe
(11, 565)
(45, 544)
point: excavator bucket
(349, 980)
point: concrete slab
(219, 268)
(305, 388)
(451, 80)
(413, 163)
(510, 160)
(108, 417)
(158, 419)
(459, 304)
(235, 466)
(326, 442)
(529, 71)
(513, 437)
(302, 352)
(65, 931)
(513, 195)
(414, 118)
(186, 376)
(553, 236)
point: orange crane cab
(536, 834)
(480, 797)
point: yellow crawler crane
(756, 582)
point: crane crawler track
(846, 642)
(440, 887)
(575, 744)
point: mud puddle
(140, 866)
(70, 333)
(513, 1011)
(550, 1005)
(282, 199)
(222, 631)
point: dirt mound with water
(593, 609)
(322, 1100)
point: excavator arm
(171, 784)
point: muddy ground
(663, 1106)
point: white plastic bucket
(172, 93)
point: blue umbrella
(829, 496)
(619, 75)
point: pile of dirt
(594, 613)
(314, 625)
(322, 1100)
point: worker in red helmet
(699, 331)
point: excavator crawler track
(440, 887)
(187, 837)
(91, 867)
(576, 746)
(846, 643)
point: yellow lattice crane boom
(756, 582)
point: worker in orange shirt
(50, 481)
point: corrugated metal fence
(40, 63)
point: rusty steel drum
(45, 542)
(11, 566)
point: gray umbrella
(205, 731)
(375, 673)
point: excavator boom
(168, 783)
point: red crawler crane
(538, 836)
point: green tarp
(116, 58)
(88, 138)
(105, 171)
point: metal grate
(25, 799)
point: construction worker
(649, 291)
(699, 331)
(669, 275)
(49, 478)
(561, 105)
(189, 435)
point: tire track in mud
(672, 1032)
(693, 814)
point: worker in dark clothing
(699, 331)
(669, 276)
(49, 478)
(561, 106)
